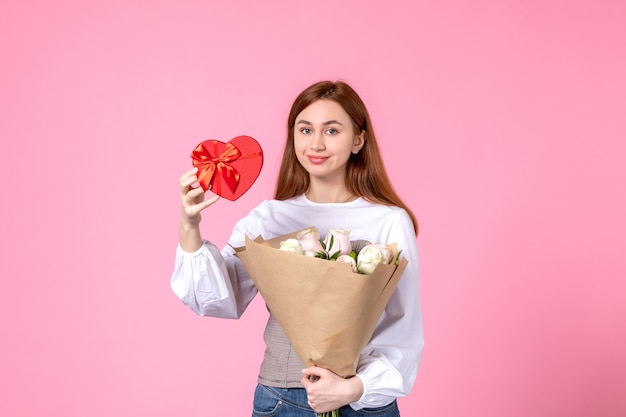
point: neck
(329, 195)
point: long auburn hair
(365, 172)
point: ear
(359, 142)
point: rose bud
(310, 241)
(340, 242)
(347, 259)
(371, 256)
(291, 245)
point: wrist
(189, 223)
(356, 389)
(189, 234)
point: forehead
(321, 111)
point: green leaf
(334, 413)
(321, 254)
(397, 260)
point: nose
(317, 142)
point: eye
(305, 130)
(332, 131)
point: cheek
(342, 146)
(299, 144)
(298, 147)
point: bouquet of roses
(327, 303)
(327, 310)
(361, 255)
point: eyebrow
(330, 122)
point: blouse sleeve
(214, 283)
(210, 284)
(388, 365)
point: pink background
(502, 124)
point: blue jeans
(292, 402)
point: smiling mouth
(317, 159)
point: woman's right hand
(192, 197)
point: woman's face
(324, 138)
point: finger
(314, 371)
(193, 194)
(191, 173)
(209, 202)
(188, 178)
(305, 382)
(204, 204)
(193, 210)
(192, 197)
(187, 182)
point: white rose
(291, 245)
(341, 242)
(371, 256)
(310, 241)
(347, 259)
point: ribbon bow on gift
(224, 169)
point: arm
(388, 365)
(207, 281)
(193, 203)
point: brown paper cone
(327, 311)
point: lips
(316, 159)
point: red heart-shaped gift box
(228, 169)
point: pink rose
(340, 242)
(347, 259)
(310, 241)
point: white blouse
(216, 284)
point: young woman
(331, 176)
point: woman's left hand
(330, 391)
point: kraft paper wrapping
(327, 311)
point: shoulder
(271, 205)
(396, 222)
(392, 212)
